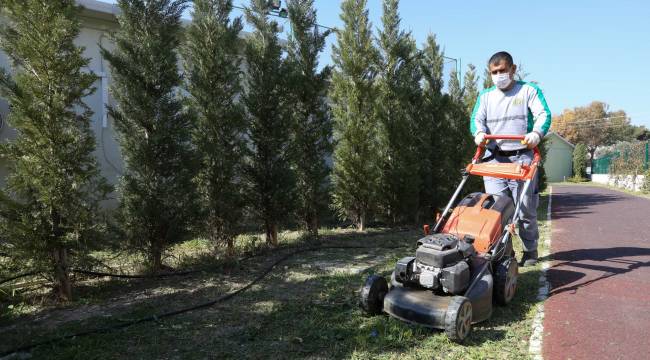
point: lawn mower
(464, 263)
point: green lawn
(306, 308)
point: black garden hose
(218, 300)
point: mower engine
(441, 263)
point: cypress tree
(463, 100)
(470, 94)
(310, 115)
(268, 172)
(397, 106)
(487, 79)
(212, 68)
(467, 149)
(356, 173)
(434, 172)
(49, 206)
(580, 156)
(457, 136)
(157, 197)
(456, 91)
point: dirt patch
(341, 266)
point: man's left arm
(540, 111)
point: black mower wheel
(505, 280)
(372, 294)
(458, 321)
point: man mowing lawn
(512, 107)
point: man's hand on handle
(532, 139)
(479, 139)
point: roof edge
(561, 138)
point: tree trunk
(312, 224)
(230, 247)
(155, 258)
(62, 283)
(361, 224)
(271, 233)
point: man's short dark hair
(501, 56)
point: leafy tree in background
(619, 127)
(593, 125)
(356, 174)
(212, 67)
(49, 213)
(312, 128)
(268, 172)
(641, 133)
(398, 113)
(580, 154)
(157, 197)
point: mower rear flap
(417, 306)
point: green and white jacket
(518, 111)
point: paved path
(599, 304)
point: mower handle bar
(537, 156)
(505, 137)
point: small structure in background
(559, 158)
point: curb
(537, 337)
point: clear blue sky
(578, 50)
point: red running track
(599, 303)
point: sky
(577, 50)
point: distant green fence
(626, 158)
(601, 166)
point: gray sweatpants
(527, 223)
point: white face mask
(502, 81)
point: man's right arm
(477, 122)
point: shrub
(580, 160)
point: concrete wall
(94, 34)
(559, 159)
(6, 132)
(628, 182)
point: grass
(306, 308)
